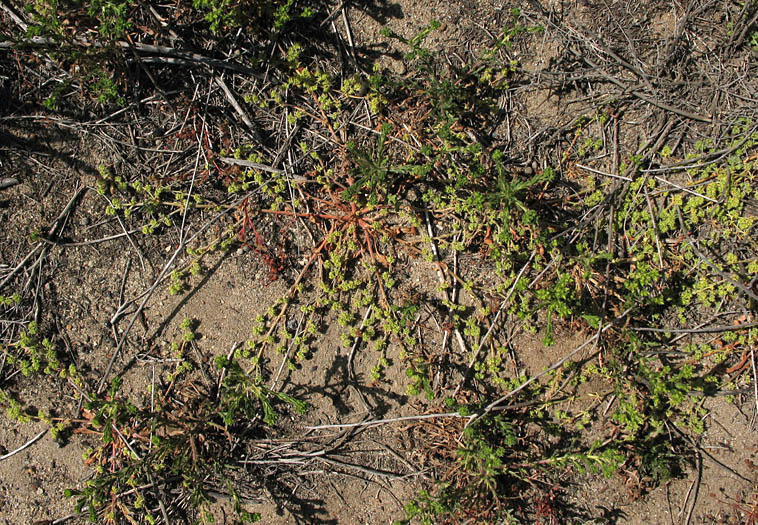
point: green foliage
(246, 397)
(221, 14)
(110, 17)
(752, 39)
(14, 409)
(373, 173)
(655, 395)
(557, 299)
(45, 15)
(113, 15)
(105, 89)
(226, 15)
(419, 377)
(188, 447)
(494, 464)
(33, 354)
